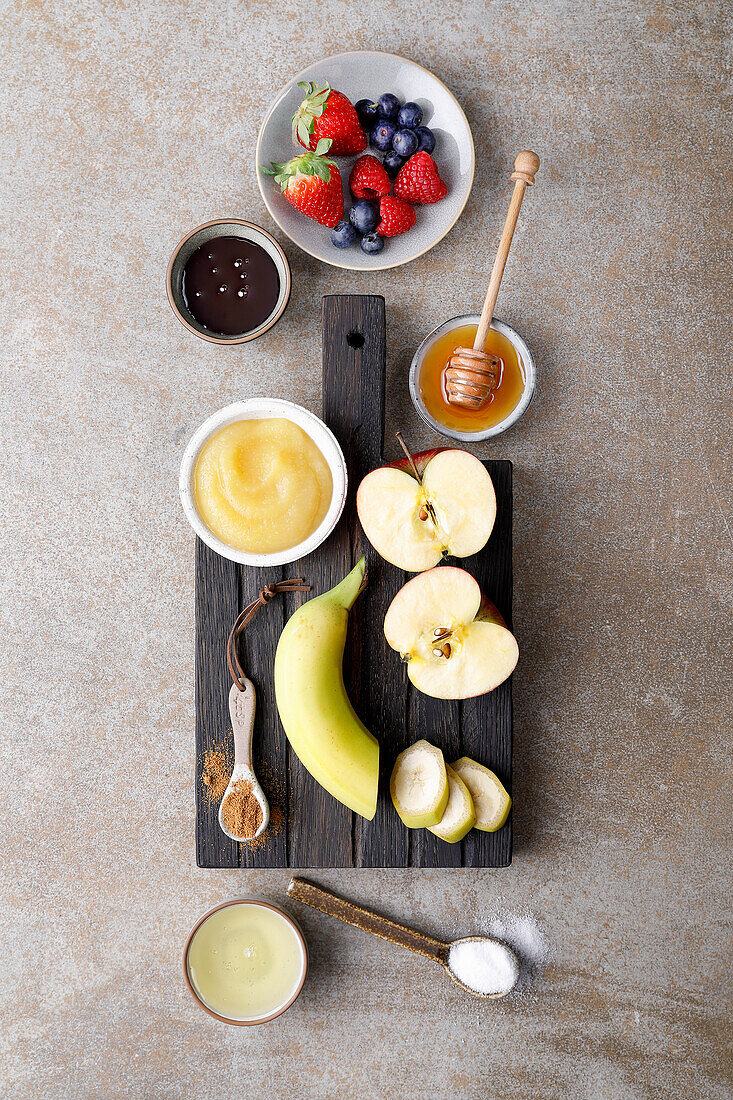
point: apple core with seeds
(453, 639)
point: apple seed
(427, 512)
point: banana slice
(490, 799)
(419, 785)
(460, 815)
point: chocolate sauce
(230, 285)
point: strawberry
(418, 180)
(397, 216)
(368, 179)
(311, 183)
(327, 114)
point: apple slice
(460, 815)
(454, 640)
(490, 799)
(418, 509)
(419, 785)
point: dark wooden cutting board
(314, 829)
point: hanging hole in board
(355, 339)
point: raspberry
(418, 180)
(397, 216)
(368, 179)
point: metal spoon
(334, 906)
(242, 712)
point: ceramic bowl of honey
(508, 401)
(263, 482)
(245, 962)
(228, 281)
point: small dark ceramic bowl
(225, 227)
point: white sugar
(483, 966)
(521, 933)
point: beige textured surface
(125, 125)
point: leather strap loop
(295, 584)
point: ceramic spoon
(310, 894)
(242, 712)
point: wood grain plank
(384, 841)
(318, 831)
(217, 606)
(354, 349)
(354, 371)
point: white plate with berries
(365, 160)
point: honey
(504, 399)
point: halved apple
(460, 815)
(418, 509)
(419, 785)
(490, 798)
(454, 640)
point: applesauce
(262, 486)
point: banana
(419, 785)
(321, 725)
(490, 799)
(460, 816)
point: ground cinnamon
(274, 827)
(240, 810)
(216, 772)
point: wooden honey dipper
(471, 374)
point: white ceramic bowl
(367, 75)
(261, 408)
(528, 367)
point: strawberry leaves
(310, 109)
(306, 164)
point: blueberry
(388, 105)
(368, 113)
(343, 235)
(410, 116)
(392, 163)
(382, 134)
(405, 142)
(425, 138)
(372, 244)
(364, 216)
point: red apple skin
(489, 613)
(421, 460)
